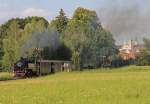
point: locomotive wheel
(29, 73)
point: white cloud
(35, 12)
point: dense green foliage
(21, 24)
(84, 35)
(15, 33)
(11, 45)
(81, 39)
(144, 57)
(60, 22)
(16, 38)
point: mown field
(129, 85)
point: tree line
(81, 39)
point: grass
(6, 76)
(128, 85)
(122, 69)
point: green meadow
(6, 76)
(127, 85)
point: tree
(35, 25)
(11, 46)
(76, 61)
(103, 47)
(60, 22)
(144, 57)
(30, 31)
(17, 33)
(147, 43)
(87, 17)
(84, 35)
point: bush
(143, 59)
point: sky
(126, 19)
(47, 8)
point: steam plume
(127, 20)
(48, 38)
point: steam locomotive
(28, 68)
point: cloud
(35, 12)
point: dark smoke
(126, 21)
(48, 38)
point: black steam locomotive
(36, 66)
(26, 68)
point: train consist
(26, 67)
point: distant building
(129, 50)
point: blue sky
(47, 8)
